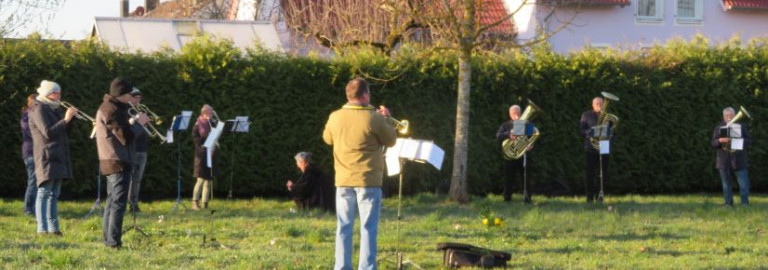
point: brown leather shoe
(205, 205)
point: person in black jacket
(586, 123)
(49, 126)
(515, 167)
(313, 189)
(732, 162)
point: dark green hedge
(671, 98)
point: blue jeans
(138, 172)
(742, 178)
(349, 202)
(46, 208)
(31, 195)
(114, 210)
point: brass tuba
(514, 149)
(605, 119)
(742, 112)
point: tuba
(515, 148)
(742, 112)
(605, 119)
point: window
(689, 11)
(650, 10)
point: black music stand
(602, 133)
(96, 205)
(524, 128)
(180, 123)
(210, 144)
(404, 150)
(238, 125)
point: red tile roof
(587, 2)
(493, 11)
(745, 4)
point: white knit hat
(47, 87)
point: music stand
(238, 125)
(524, 128)
(180, 123)
(420, 151)
(96, 205)
(603, 134)
(211, 142)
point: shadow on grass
(639, 237)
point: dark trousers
(512, 169)
(117, 196)
(593, 166)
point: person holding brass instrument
(358, 132)
(28, 157)
(140, 158)
(204, 174)
(49, 127)
(732, 159)
(115, 134)
(589, 119)
(512, 167)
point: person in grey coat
(114, 141)
(49, 128)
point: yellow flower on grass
(485, 221)
(496, 221)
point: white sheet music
(735, 131)
(737, 144)
(169, 136)
(208, 157)
(185, 117)
(241, 124)
(605, 147)
(213, 137)
(416, 150)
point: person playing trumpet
(141, 142)
(49, 128)
(115, 135)
(204, 174)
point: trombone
(80, 114)
(149, 128)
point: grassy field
(627, 232)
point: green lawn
(627, 232)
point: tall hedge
(671, 98)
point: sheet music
(208, 157)
(735, 131)
(605, 147)
(392, 158)
(737, 144)
(213, 137)
(518, 127)
(240, 124)
(169, 136)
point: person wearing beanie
(114, 141)
(49, 126)
(140, 158)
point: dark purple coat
(26, 135)
(200, 133)
(50, 143)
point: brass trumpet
(149, 128)
(152, 115)
(80, 114)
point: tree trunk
(458, 190)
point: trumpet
(400, 125)
(80, 114)
(149, 128)
(152, 115)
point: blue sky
(75, 18)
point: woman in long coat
(49, 128)
(203, 173)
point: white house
(148, 34)
(638, 24)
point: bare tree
(452, 25)
(198, 9)
(15, 14)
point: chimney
(123, 8)
(151, 4)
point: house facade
(638, 24)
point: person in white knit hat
(49, 127)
